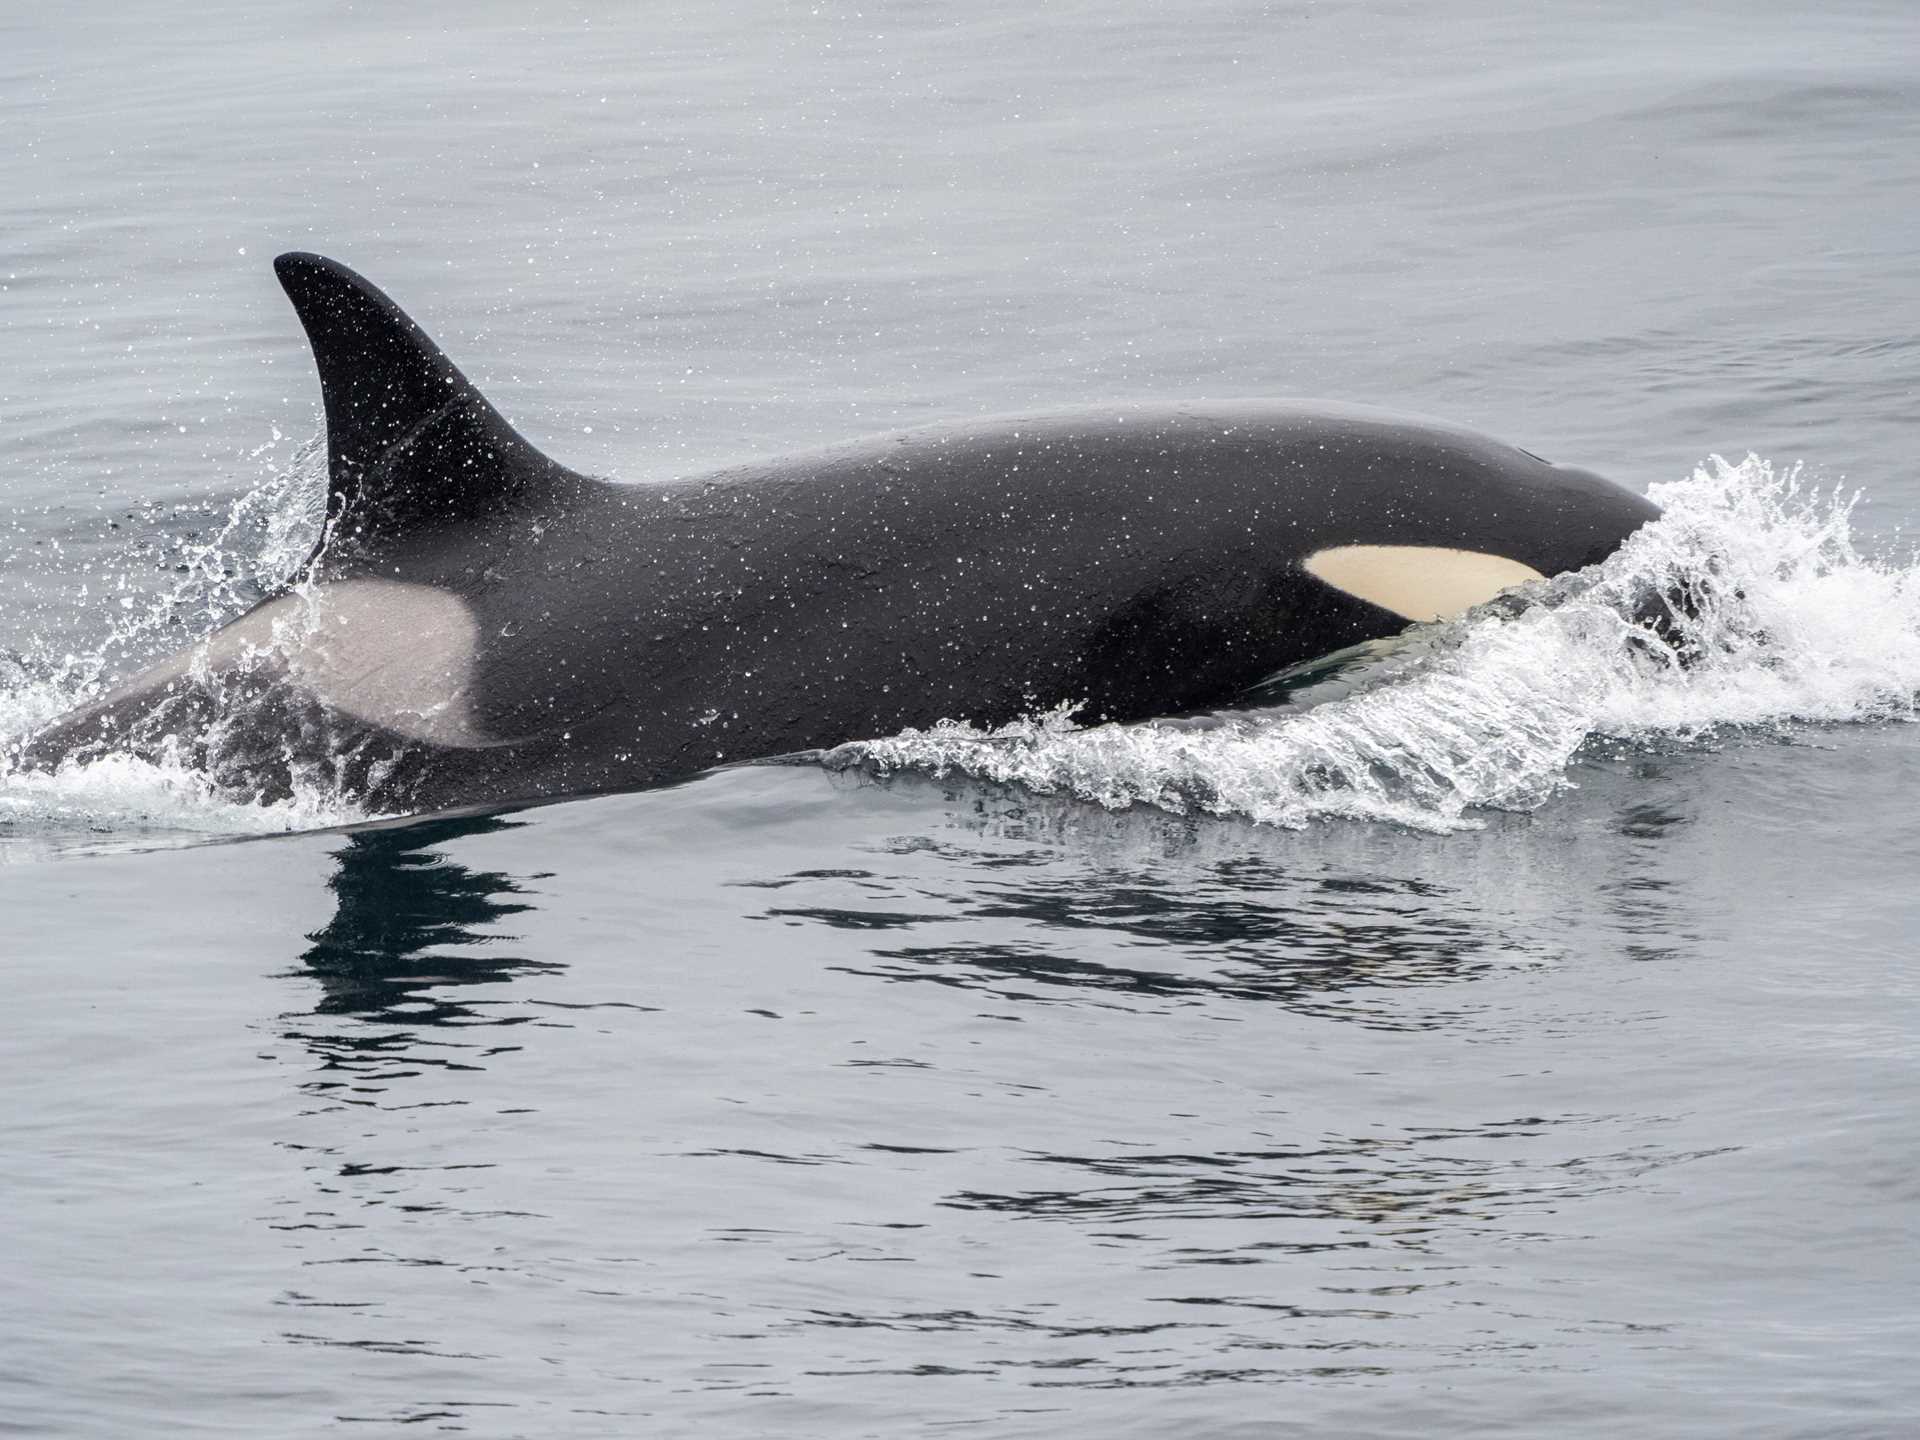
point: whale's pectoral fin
(411, 444)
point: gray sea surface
(1565, 1088)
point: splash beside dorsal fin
(410, 443)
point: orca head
(1491, 519)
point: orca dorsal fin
(411, 444)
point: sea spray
(260, 543)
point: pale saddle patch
(1418, 582)
(379, 651)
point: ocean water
(1511, 1033)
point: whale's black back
(1131, 561)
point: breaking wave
(1784, 621)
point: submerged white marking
(1418, 582)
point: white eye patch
(1418, 582)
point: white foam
(118, 800)
(1790, 624)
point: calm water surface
(808, 1101)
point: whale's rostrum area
(1791, 625)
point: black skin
(1138, 562)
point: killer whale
(480, 624)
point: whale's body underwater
(481, 625)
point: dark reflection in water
(1643, 898)
(1408, 1189)
(1243, 928)
(385, 1195)
(1059, 901)
(411, 930)
(1332, 1184)
(400, 901)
